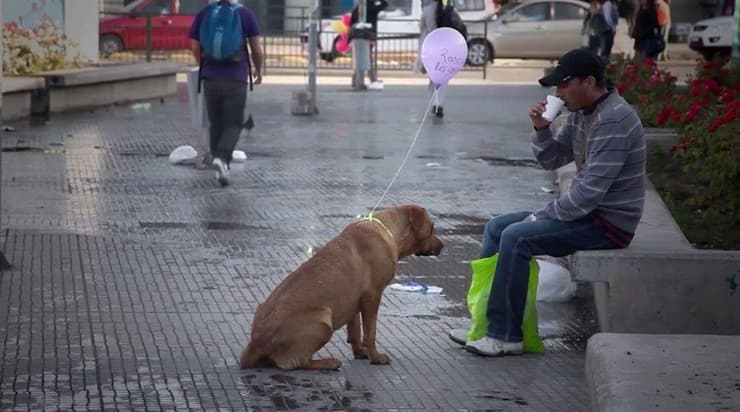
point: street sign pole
(313, 51)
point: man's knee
(493, 228)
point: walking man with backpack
(224, 36)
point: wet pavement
(135, 282)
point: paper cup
(552, 108)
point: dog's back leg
(303, 335)
(354, 337)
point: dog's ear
(417, 217)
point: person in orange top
(664, 21)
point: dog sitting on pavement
(342, 284)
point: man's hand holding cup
(544, 112)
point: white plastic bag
(183, 155)
(238, 156)
(555, 284)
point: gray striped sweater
(608, 146)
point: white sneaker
(222, 171)
(376, 85)
(458, 335)
(488, 346)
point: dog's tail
(254, 355)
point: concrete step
(631, 372)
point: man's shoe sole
(475, 350)
(455, 339)
(497, 354)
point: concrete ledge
(670, 292)
(663, 372)
(15, 84)
(106, 74)
(78, 97)
(660, 283)
(657, 232)
(64, 90)
(17, 95)
(102, 86)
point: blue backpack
(221, 34)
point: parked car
(523, 29)
(396, 24)
(171, 21)
(712, 37)
(535, 29)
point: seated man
(600, 210)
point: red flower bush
(706, 119)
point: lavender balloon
(443, 53)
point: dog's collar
(371, 218)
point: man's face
(574, 93)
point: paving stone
(135, 282)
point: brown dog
(343, 280)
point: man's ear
(417, 216)
(591, 81)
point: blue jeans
(516, 242)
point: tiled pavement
(134, 282)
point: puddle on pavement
(307, 390)
(208, 225)
(500, 161)
(23, 149)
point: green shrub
(707, 123)
(43, 48)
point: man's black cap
(576, 63)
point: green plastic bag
(479, 292)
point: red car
(171, 20)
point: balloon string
(408, 152)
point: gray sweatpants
(225, 102)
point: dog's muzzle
(434, 250)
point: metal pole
(4, 264)
(485, 36)
(148, 38)
(313, 50)
(736, 39)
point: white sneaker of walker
(183, 155)
(238, 156)
(376, 85)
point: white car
(398, 26)
(712, 37)
(535, 29)
(524, 29)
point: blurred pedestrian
(372, 10)
(627, 10)
(648, 39)
(428, 22)
(224, 35)
(709, 8)
(664, 20)
(728, 8)
(601, 26)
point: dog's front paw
(380, 359)
(360, 353)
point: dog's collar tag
(374, 219)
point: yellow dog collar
(371, 218)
